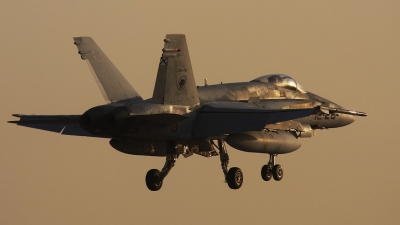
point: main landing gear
(233, 176)
(154, 178)
(272, 170)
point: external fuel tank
(272, 142)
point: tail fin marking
(175, 84)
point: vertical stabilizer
(175, 84)
(111, 82)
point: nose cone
(346, 120)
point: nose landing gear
(272, 170)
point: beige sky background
(345, 51)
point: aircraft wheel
(234, 178)
(266, 172)
(152, 180)
(277, 172)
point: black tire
(266, 172)
(277, 172)
(234, 178)
(152, 181)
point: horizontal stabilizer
(64, 124)
(235, 117)
(111, 82)
(46, 119)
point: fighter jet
(268, 114)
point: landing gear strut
(272, 170)
(154, 177)
(233, 176)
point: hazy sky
(345, 51)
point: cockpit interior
(281, 80)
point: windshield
(281, 80)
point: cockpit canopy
(281, 80)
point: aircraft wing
(235, 117)
(64, 124)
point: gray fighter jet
(266, 115)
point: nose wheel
(277, 172)
(266, 172)
(272, 170)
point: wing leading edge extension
(235, 117)
(112, 84)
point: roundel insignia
(174, 127)
(181, 82)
